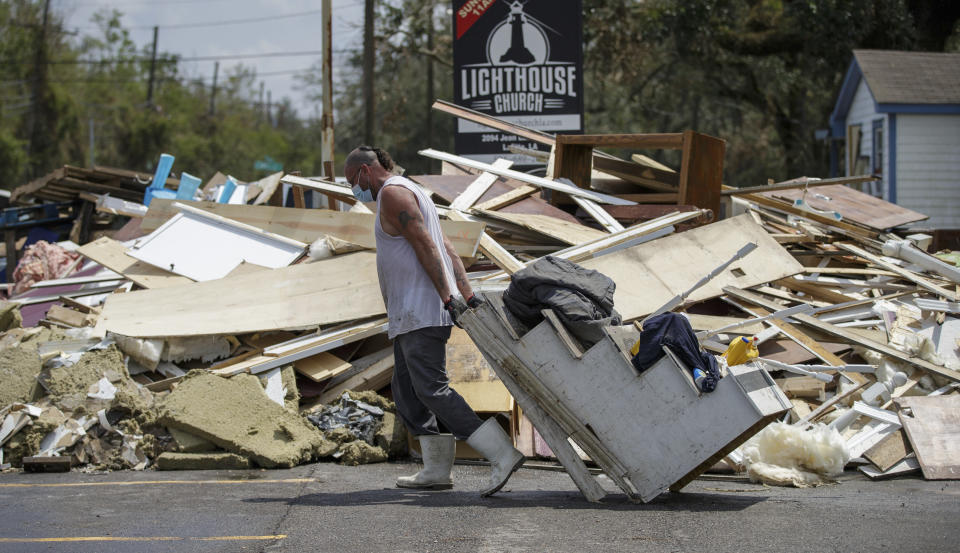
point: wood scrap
(933, 427)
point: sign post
(521, 62)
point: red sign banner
(469, 13)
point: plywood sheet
(558, 229)
(471, 375)
(338, 289)
(854, 206)
(649, 275)
(934, 432)
(306, 225)
(321, 366)
(449, 187)
(113, 255)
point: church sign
(520, 61)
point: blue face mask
(361, 194)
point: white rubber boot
(438, 451)
(493, 443)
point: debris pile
(237, 332)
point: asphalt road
(327, 507)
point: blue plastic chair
(156, 188)
(188, 186)
(227, 190)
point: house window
(878, 147)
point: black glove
(473, 301)
(455, 307)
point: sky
(266, 33)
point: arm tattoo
(405, 218)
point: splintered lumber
(889, 451)
(342, 288)
(798, 183)
(847, 335)
(599, 214)
(492, 249)
(524, 177)
(508, 198)
(855, 206)
(478, 187)
(297, 349)
(112, 255)
(321, 366)
(933, 426)
(788, 207)
(373, 377)
(306, 225)
(911, 276)
(568, 233)
(648, 275)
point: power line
(222, 23)
(168, 60)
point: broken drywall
(238, 417)
(188, 443)
(201, 461)
(10, 316)
(63, 381)
(19, 368)
(392, 436)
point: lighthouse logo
(519, 60)
(519, 39)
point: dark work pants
(421, 387)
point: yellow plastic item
(741, 350)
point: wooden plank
(374, 377)
(650, 274)
(909, 275)
(594, 210)
(889, 451)
(306, 225)
(855, 206)
(798, 183)
(508, 198)
(568, 233)
(849, 335)
(653, 178)
(662, 141)
(524, 177)
(448, 187)
(472, 377)
(934, 431)
(701, 170)
(573, 162)
(321, 366)
(478, 187)
(341, 288)
(830, 222)
(798, 336)
(492, 249)
(60, 314)
(46, 464)
(813, 290)
(112, 255)
(650, 162)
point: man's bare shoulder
(396, 195)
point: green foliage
(762, 74)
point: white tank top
(411, 298)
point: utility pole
(93, 143)
(326, 122)
(368, 71)
(38, 143)
(153, 67)
(430, 92)
(213, 92)
(269, 113)
(260, 105)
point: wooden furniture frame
(701, 166)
